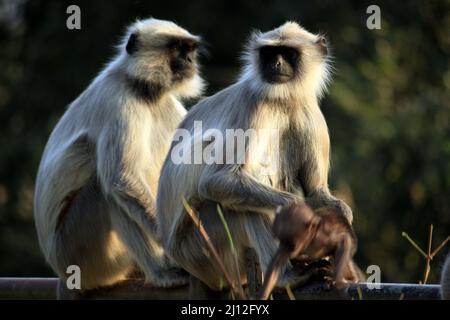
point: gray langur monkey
(286, 72)
(97, 181)
(445, 280)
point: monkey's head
(295, 226)
(287, 60)
(309, 233)
(333, 222)
(163, 55)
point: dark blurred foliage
(388, 108)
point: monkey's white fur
(106, 153)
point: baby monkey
(309, 236)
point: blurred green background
(388, 109)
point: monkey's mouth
(278, 78)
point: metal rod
(45, 288)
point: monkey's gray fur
(445, 280)
(246, 194)
(97, 181)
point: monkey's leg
(343, 262)
(254, 274)
(190, 251)
(85, 239)
(359, 272)
(260, 237)
(146, 251)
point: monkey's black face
(279, 64)
(183, 55)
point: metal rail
(45, 288)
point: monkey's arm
(314, 176)
(234, 188)
(345, 271)
(118, 168)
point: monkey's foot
(304, 273)
(295, 277)
(169, 278)
(321, 268)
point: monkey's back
(69, 158)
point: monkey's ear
(132, 44)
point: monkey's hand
(322, 198)
(345, 210)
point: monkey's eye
(188, 47)
(272, 51)
(290, 54)
(181, 46)
(174, 45)
(267, 52)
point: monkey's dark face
(178, 54)
(279, 64)
(295, 227)
(182, 58)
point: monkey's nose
(189, 59)
(278, 63)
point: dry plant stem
(404, 234)
(211, 247)
(443, 243)
(233, 248)
(428, 257)
(289, 292)
(360, 294)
